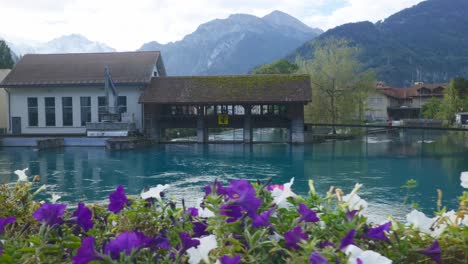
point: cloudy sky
(127, 24)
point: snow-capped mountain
(73, 43)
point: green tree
(455, 99)
(340, 86)
(281, 66)
(6, 58)
(461, 87)
(431, 109)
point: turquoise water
(381, 162)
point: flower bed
(238, 223)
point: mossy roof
(228, 89)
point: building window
(50, 111)
(121, 104)
(102, 107)
(32, 111)
(85, 105)
(67, 111)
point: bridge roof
(228, 89)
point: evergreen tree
(6, 58)
(281, 66)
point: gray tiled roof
(228, 89)
(35, 70)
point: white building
(3, 103)
(60, 93)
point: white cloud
(126, 25)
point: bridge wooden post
(202, 136)
(248, 130)
(153, 113)
(296, 131)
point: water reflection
(381, 162)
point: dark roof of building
(72, 69)
(228, 89)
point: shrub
(238, 223)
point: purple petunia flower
(230, 260)
(325, 244)
(348, 239)
(4, 222)
(162, 242)
(83, 217)
(126, 242)
(220, 190)
(50, 214)
(243, 194)
(359, 261)
(118, 200)
(232, 211)
(187, 242)
(199, 229)
(307, 214)
(434, 252)
(87, 252)
(294, 236)
(378, 233)
(263, 219)
(316, 258)
(350, 214)
(192, 211)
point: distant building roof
(228, 89)
(83, 69)
(415, 90)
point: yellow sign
(223, 119)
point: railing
(387, 126)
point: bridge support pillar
(296, 130)
(202, 132)
(152, 124)
(248, 130)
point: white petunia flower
(464, 179)
(280, 195)
(204, 212)
(201, 252)
(434, 226)
(55, 197)
(22, 175)
(420, 220)
(366, 256)
(355, 202)
(154, 192)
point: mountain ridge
(425, 43)
(234, 45)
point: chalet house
(61, 93)
(388, 102)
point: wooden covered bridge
(242, 102)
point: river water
(383, 163)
